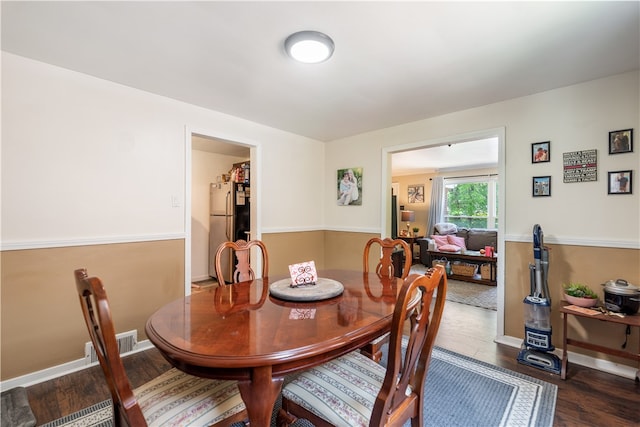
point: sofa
(474, 238)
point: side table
(411, 241)
(629, 320)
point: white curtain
(436, 209)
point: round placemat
(323, 289)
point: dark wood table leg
(259, 395)
(563, 371)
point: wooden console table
(473, 257)
(628, 320)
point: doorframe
(453, 139)
(255, 157)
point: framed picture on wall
(621, 141)
(415, 193)
(541, 186)
(620, 182)
(541, 152)
(349, 187)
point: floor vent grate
(127, 342)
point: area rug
(460, 391)
(468, 293)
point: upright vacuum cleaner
(536, 348)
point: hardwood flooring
(586, 398)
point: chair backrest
(393, 404)
(242, 270)
(385, 266)
(97, 315)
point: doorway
(388, 166)
(209, 160)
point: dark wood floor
(586, 398)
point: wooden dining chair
(384, 268)
(353, 390)
(171, 399)
(242, 270)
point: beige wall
(42, 325)
(421, 209)
(328, 249)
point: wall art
(580, 166)
(620, 182)
(541, 152)
(349, 187)
(541, 186)
(415, 193)
(621, 141)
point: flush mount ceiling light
(310, 47)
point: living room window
(472, 201)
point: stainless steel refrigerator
(229, 220)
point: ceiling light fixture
(310, 47)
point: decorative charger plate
(323, 289)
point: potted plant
(579, 294)
(415, 231)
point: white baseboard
(201, 278)
(60, 370)
(580, 359)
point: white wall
(205, 168)
(86, 160)
(573, 118)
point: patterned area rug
(460, 391)
(466, 292)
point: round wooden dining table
(242, 332)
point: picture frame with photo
(415, 193)
(621, 141)
(541, 186)
(620, 182)
(349, 187)
(541, 152)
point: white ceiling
(394, 63)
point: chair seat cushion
(342, 391)
(178, 399)
(381, 339)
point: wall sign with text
(580, 166)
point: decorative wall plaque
(580, 166)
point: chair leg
(284, 419)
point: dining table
(245, 333)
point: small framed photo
(621, 141)
(541, 186)
(541, 152)
(404, 233)
(620, 182)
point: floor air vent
(127, 342)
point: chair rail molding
(576, 241)
(46, 244)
